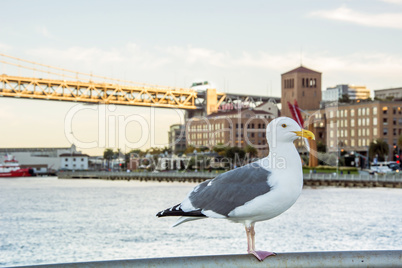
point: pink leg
(260, 255)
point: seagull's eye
(283, 125)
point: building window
(394, 110)
(66, 165)
(374, 110)
(352, 132)
(352, 112)
(375, 131)
(375, 121)
(82, 159)
(66, 159)
(384, 110)
(385, 121)
(385, 132)
(73, 159)
(394, 121)
(352, 123)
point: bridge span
(81, 88)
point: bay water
(49, 220)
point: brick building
(301, 84)
(353, 126)
(234, 128)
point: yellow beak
(305, 134)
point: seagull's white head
(285, 130)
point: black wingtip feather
(177, 211)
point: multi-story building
(334, 93)
(74, 161)
(352, 126)
(358, 92)
(177, 138)
(353, 92)
(32, 157)
(234, 128)
(304, 86)
(390, 93)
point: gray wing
(231, 189)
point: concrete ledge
(385, 258)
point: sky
(241, 46)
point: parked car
(394, 166)
(380, 167)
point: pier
(390, 181)
(383, 258)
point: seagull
(255, 192)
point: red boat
(11, 168)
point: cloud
(94, 56)
(398, 2)
(180, 65)
(42, 30)
(4, 47)
(385, 20)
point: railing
(392, 177)
(385, 258)
(209, 175)
(205, 175)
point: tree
(108, 154)
(137, 152)
(378, 147)
(189, 150)
(345, 98)
(251, 151)
(321, 147)
(235, 153)
(220, 149)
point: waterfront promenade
(389, 180)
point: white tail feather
(185, 219)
